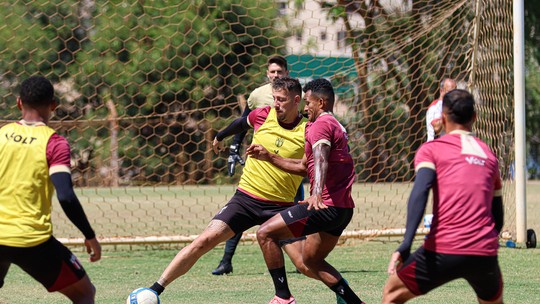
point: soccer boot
(223, 268)
(278, 300)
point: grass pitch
(363, 264)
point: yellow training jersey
(261, 178)
(261, 97)
(25, 187)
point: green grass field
(363, 264)
(124, 268)
(186, 210)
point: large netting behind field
(143, 87)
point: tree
(400, 56)
(156, 74)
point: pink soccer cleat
(278, 300)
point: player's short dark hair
(37, 91)
(290, 84)
(459, 106)
(279, 60)
(321, 88)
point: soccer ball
(143, 296)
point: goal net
(143, 87)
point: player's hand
(234, 157)
(258, 152)
(437, 126)
(93, 248)
(395, 261)
(314, 202)
(217, 145)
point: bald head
(447, 85)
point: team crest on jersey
(279, 142)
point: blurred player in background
(34, 161)
(467, 213)
(264, 190)
(260, 97)
(323, 216)
(434, 125)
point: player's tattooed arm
(321, 152)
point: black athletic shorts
(243, 212)
(331, 220)
(426, 270)
(50, 263)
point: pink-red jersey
(467, 180)
(340, 175)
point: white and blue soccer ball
(143, 296)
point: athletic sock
(343, 290)
(230, 248)
(280, 282)
(157, 288)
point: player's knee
(263, 234)
(202, 244)
(82, 292)
(395, 292)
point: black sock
(343, 290)
(280, 282)
(157, 288)
(230, 248)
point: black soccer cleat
(223, 268)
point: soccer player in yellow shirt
(35, 161)
(264, 190)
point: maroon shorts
(426, 270)
(50, 263)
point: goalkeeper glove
(233, 158)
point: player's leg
(323, 227)
(409, 280)
(268, 236)
(57, 269)
(225, 265)
(318, 246)
(235, 217)
(81, 292)
(216, 232)
(485, 277)
(422, 272)
(395, 291)
(293, 248)
(496, 301)
(4, 267)
(316, 249)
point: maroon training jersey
(340, 176)
(467, 180)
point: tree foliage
(169, 70)
(532, 84)
(400, 57)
